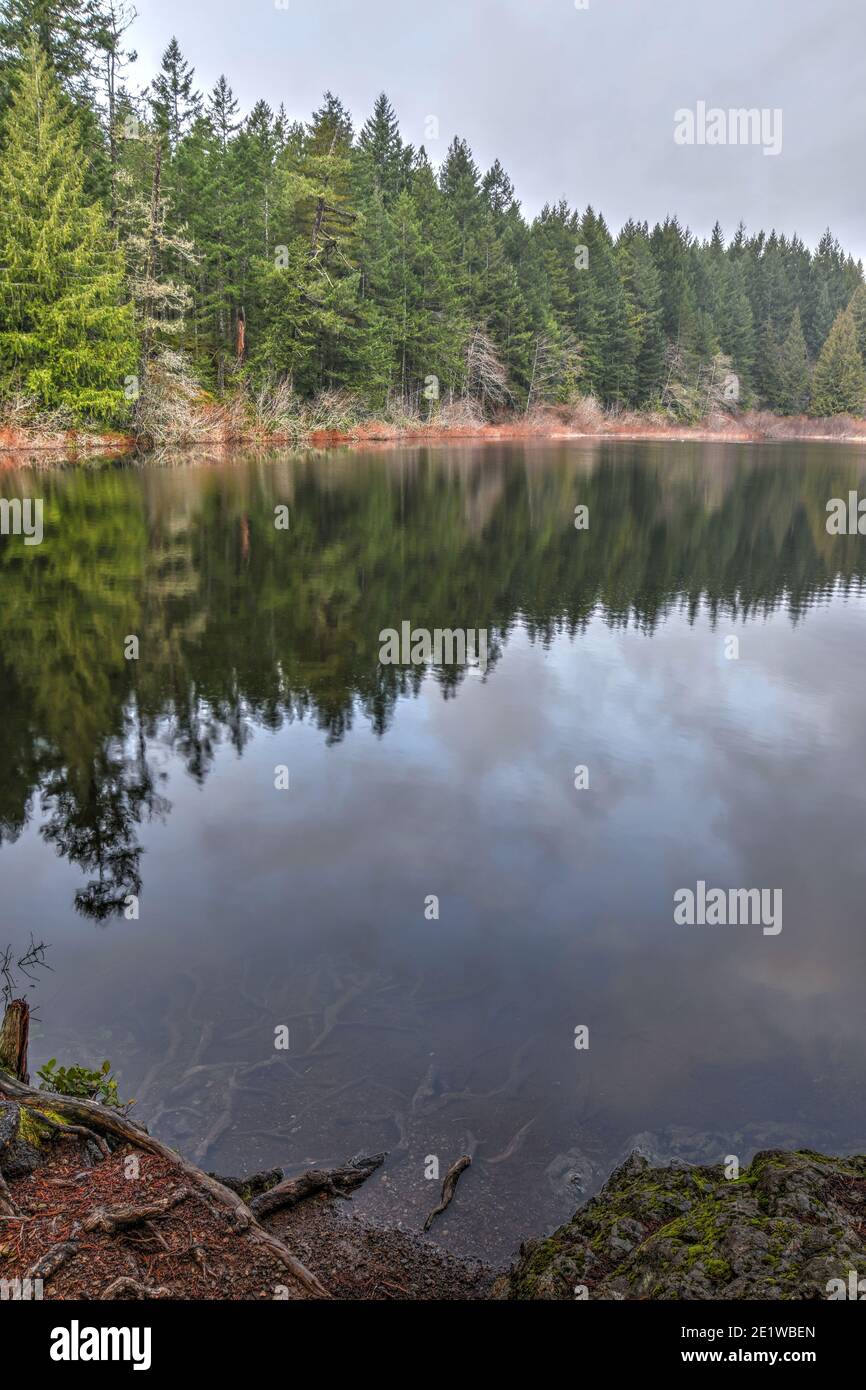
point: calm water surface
(306, 908)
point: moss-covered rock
(787, 1226)
(19, 1141)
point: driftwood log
(337, 1182)
(449, 1187)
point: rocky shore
(787, 1227)
(94, 1208)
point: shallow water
(305, 908)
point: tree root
(331, 1013)
(515, 1144)
(337, 1182)
(123, 1216)
(132, 1288)
(70, 1131)
(449, 1187)
(51, 1261)
(99, 1117)
(7, 1204)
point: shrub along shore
(233, 429)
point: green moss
(29, 1128)
(537, 1265)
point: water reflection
(259, 647)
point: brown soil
(193, 1251)
(356, 1260)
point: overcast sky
(576, 103)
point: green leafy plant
(81, 1081)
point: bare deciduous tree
(485, 379)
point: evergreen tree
(793, 374)
(67, 32)
(839, 381)
(857, 307)
(174, 100)
(66, 338)
(734, 320)
(267, 248)
(213, 221)
(497, 189)
(382, 150)
(643, 289)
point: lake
(156, 786)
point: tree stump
(14, 1039)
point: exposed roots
(122, 1217)
(125, 1287)
(108, 1122)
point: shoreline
(94, 1206)
(84, 1217)
(76, 446)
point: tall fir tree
(793, 373)
(174, 100)
(839, 381)
(857, 307)
(66, 336)
(383, 153)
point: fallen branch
(449, 1187)
(254, 1184)
(337, 1182)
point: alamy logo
(855, 1288)
(737, 907)
(77, 1343)
(737, 126)
(847, 518)
(19, 518)
(441, 647)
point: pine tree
(67, 32)
(214, 226)
(793, 374)
(459, 182)
(78, 38)
(857, 307)
(174, 100)
(839, 382)
(498, 190)
(66, 337)
(734, 320)
(641, 281)
(382, 149)
(117, 18)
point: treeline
(155, 246)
